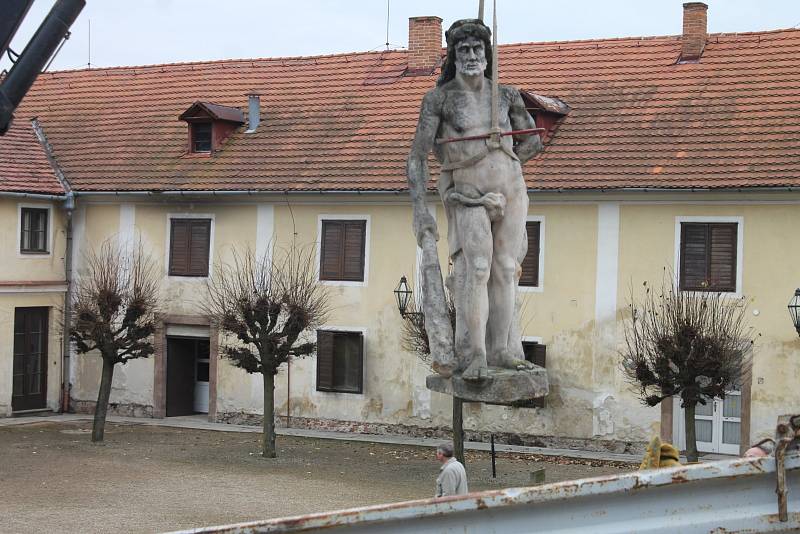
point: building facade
(664, 156)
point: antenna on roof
(387, 24)
(89, 63)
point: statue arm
(417, 165)
(528, 145)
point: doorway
(718, 424)
(187, 376)
(29, 390)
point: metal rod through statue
(442, 141)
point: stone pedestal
(503, 386)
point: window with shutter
(189, 247)
(342, 250)
(340, 361)
(530, 265)
(33, 230)
(535, 353)
(708, 256)
(201, 136)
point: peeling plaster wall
(16, 267)
(769, 276)
(578, 320)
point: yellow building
(663, 143)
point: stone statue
(466, 120)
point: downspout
(69, 207)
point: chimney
(694, 31)
(424, 44)
(253, 112)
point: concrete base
(503, 386)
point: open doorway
(187, 375)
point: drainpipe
(69, 207)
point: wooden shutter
(342, 250)
(330, 254)
(179, 247)
(530, 265)
(353, 250)
(536, 353)
(324, 360)
(358, 369)
(190, 240)
(199, 241)
(722, 261)
(708, 256)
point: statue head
(466, 31)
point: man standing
(452, 479)
(484, 194)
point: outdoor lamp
(403, 293)
(794, 310)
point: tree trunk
(268, 439)
(458, 430)
(101, 408)
(691, 437)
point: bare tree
(695, 345)
(270, 305)
(414, 337)
(114, 312)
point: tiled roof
(24, 167)
(345, 122)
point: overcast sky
(142, 32)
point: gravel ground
(150, 479)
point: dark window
(340, 361)
(342, 250)
(33, 235)
(708, 257)
(188, 248)
(530, 265)
(201, 137)
(534, 353)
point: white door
(718, 424)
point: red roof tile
(24, 167)
(345, 122)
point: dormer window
(210, 125)
(546, 111)
(201, 136)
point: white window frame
(184, 215)
(540, 288)
(342, 394)
(367, 233)
(35, 205)
(739, 220)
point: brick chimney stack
(424, 44)
(695, 30)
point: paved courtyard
(149, 479)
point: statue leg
(472, 308)
(455, 286)
(508, 236)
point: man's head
(469, 50)
(444, 452)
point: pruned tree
(268, 307)
(115, 302)
(414, 337)
(693, 345)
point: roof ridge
(225, 61)
(644, 38)
(399, 51)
